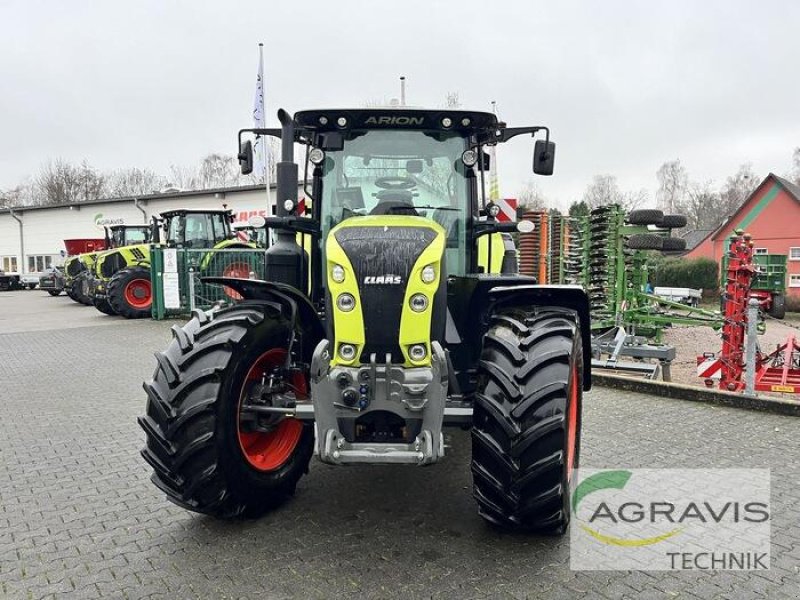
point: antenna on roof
(402, 90)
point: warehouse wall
(46, 228)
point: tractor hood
(381, 301)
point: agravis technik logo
(656, 519)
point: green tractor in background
(398, 319)
(120, 283)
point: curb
(697, 394)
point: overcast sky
(623, 86)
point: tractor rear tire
(527, 419)
(54, 292)
(645, 216)
(778, 307)
(673, 222)
(645, 241)
(130, 293)
(103, 305)
(671, 244)
(195, 440)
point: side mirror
(246, 157)
(544, 157)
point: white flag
(260, 149)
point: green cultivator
(609, 254)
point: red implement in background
(82, 245)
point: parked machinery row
(113, 275)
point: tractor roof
(188, 211)
(464, 122)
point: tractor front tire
(54, 292)
(79, 289)
(130, 293)
(103, 305)
(527, 419)
(203, 458)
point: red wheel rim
(268, 451)
(238, 270)
(572, 423)
(139, 293)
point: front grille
(376, 252)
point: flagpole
(265, 146)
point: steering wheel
(395, 183)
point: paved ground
(79, 517)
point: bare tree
(794, 175)
(634, 199)
(218, 170)
(134, 182)
(737, 189)
(601, 191)
(673, 183)
(530, 198)
(702, 206)
(60, 182)
(23, 194)
(183, 177)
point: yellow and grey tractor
(400, 319)
(83, 253)
(121, 277)
(117, 239)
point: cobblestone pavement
(79, 517)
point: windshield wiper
(438, 208)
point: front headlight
(418, 302)
(428, 274)
(347, 352)
(417, 352)
(337, 273)
(345, 302)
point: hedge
(698, 273)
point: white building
(31, 238)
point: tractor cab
(427, 164)
(118, 236)
(196, 228)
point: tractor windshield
(391, 172)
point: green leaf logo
(611, 480)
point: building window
(794, 253)
(37, 264)
(760, 251)
(10, 264)
(794, 280)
